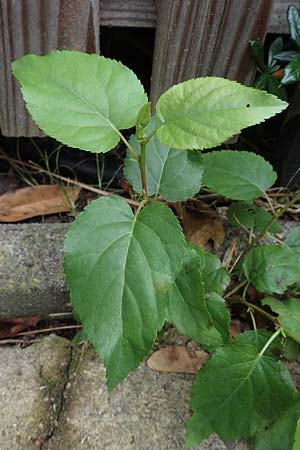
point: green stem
(272, 338)
(142, 164)
(268, 225)
(132, 151)
(261, 311)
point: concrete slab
(147, 411)
(31, 385)
(31, 269)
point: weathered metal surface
(39, 26)
(278, 21)
(207, 37)
(130, 13)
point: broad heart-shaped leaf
(204, 112)
(293, 240)
(233, 394)
(289, 315)
(174, 174)
(238, 175)
(79, 99)
(187, 308)
(282, 432)
(249, 215)
(272, 268)
(120, 269)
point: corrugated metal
(39, 26)
(131, 13)
(208, 37)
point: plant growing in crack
(130, 270)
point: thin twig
(71, 181)
(47, 330)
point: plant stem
(142, 164)
(132, 151)
(268, 225)
(261, 311)
(272, 338)
(235, 289)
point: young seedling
(131, 270)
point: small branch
(235, 289)
(259, 310)
(70, 181)
(47, 330)
(268, 225)
(142, 164)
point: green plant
(130, 271)
(283, 65)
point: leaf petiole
(269, 342)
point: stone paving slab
(31, 384)
(31, 269)
(54, 399)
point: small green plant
(130, 270)
(283, 64)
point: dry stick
(46, 330)
(74, 182)
(268, 225)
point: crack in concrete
(61, 401)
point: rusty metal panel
(206, 37)
(130, 13)
(278, 21)
(39, 26)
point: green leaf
(79, 99)
(219, 315)
(250, 216)
(257, 51)
(286, 348)
(257, 339)
(233, 394)
(143, 120)
(271, 268)
(238, 175)
(281, 434)
(174, 174)
(275, 48)
(188, 309)
(215, 277)
(287, 55)
(204, 112)
(293, 240)
(121, 269)
(294, 23)
(292, 71)
(267, 82)
(296, 445)
(289, 315)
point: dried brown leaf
(200, 223)
(36, 201)
(177, 359)
(11, 326)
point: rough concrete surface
(31, 383)
(54, 398)
(31, 269)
